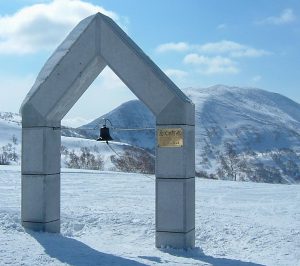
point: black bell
(104, 134)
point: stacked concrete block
(41, 178)
(175, 191)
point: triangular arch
(96, 42)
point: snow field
(108, 219)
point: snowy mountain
(241, 133)
(107, 218)
(247, 134)
(76, 152)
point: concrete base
(175, 213)
(175, 240)
(51, 227)
(175, 204)
(40, 208)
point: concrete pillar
(40, 208)
(175, 189)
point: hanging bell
(104, 134)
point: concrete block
(175, 240)
(41, 150)
(50, 227)
(176, 162)
(40, 198)
(175, 205)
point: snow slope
(108, 219)
(10, 127)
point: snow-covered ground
(108, 219)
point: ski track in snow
(108, 219)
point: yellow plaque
(170, 137)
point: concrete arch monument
(95, 42)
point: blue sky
(197, 43)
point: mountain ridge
(254, 130)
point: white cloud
(233, 49)
(287, 16)
(43, 26)
(230, 48)
(176, 73)
(171, 46)
(212, 65)
(257, 78)
(211, 58)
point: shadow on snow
(73, 252)
(198, 254)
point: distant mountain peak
(261, 127)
